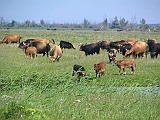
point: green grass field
(40, 89)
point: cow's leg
(132, 70)
(124, 71)
(120, 70)
(156, 55)
(44, 54)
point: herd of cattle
(136, 48)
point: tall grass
(40, 89)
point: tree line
(118, 24)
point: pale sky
(74, 11)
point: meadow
(40, 89)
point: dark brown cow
(42, 47)
(100, 68)
(56, 53)
(128, 63)
(11, 39)
(138, 48)
(105, 45)
(31, 51)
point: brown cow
(55, 53)
(100, 68)
(31, 51)
(128, 63)
(11, 39)
(139, 48)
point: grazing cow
(31, 51)
(79, 70)
(64, 44)
(155, 50)
(112, 54)
(42, 47)
(56, 53)
(90, 48)
(105, 45)
(138, 48)
(123, 48)
(11, 39)
(128, 63)
(100, 68)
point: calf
(128, 63)
(100, 68)
(79, 70)
(112, 54)
(31, 51)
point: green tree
(123, 23)
(105, 23)
(42, 23)
(86, 23)
(143, 25)
(115, 23)
(27, 23)
(13, 23)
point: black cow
(64, 44)
(79, 70)
(150, 43)
(155, 50)
(123, 48)
(153, 47)
(42, 47)
(90, 48)
(112, 54)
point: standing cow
(100, 68)
(122, 64)
(42, 47)
(31, 51)
(90, 49)
(154, 48)
(64, 44)
(56, 53)
(11, 39)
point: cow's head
(82, 47)
(115, 62)
(127, 53)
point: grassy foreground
(39, 89)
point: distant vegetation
(115, 24)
